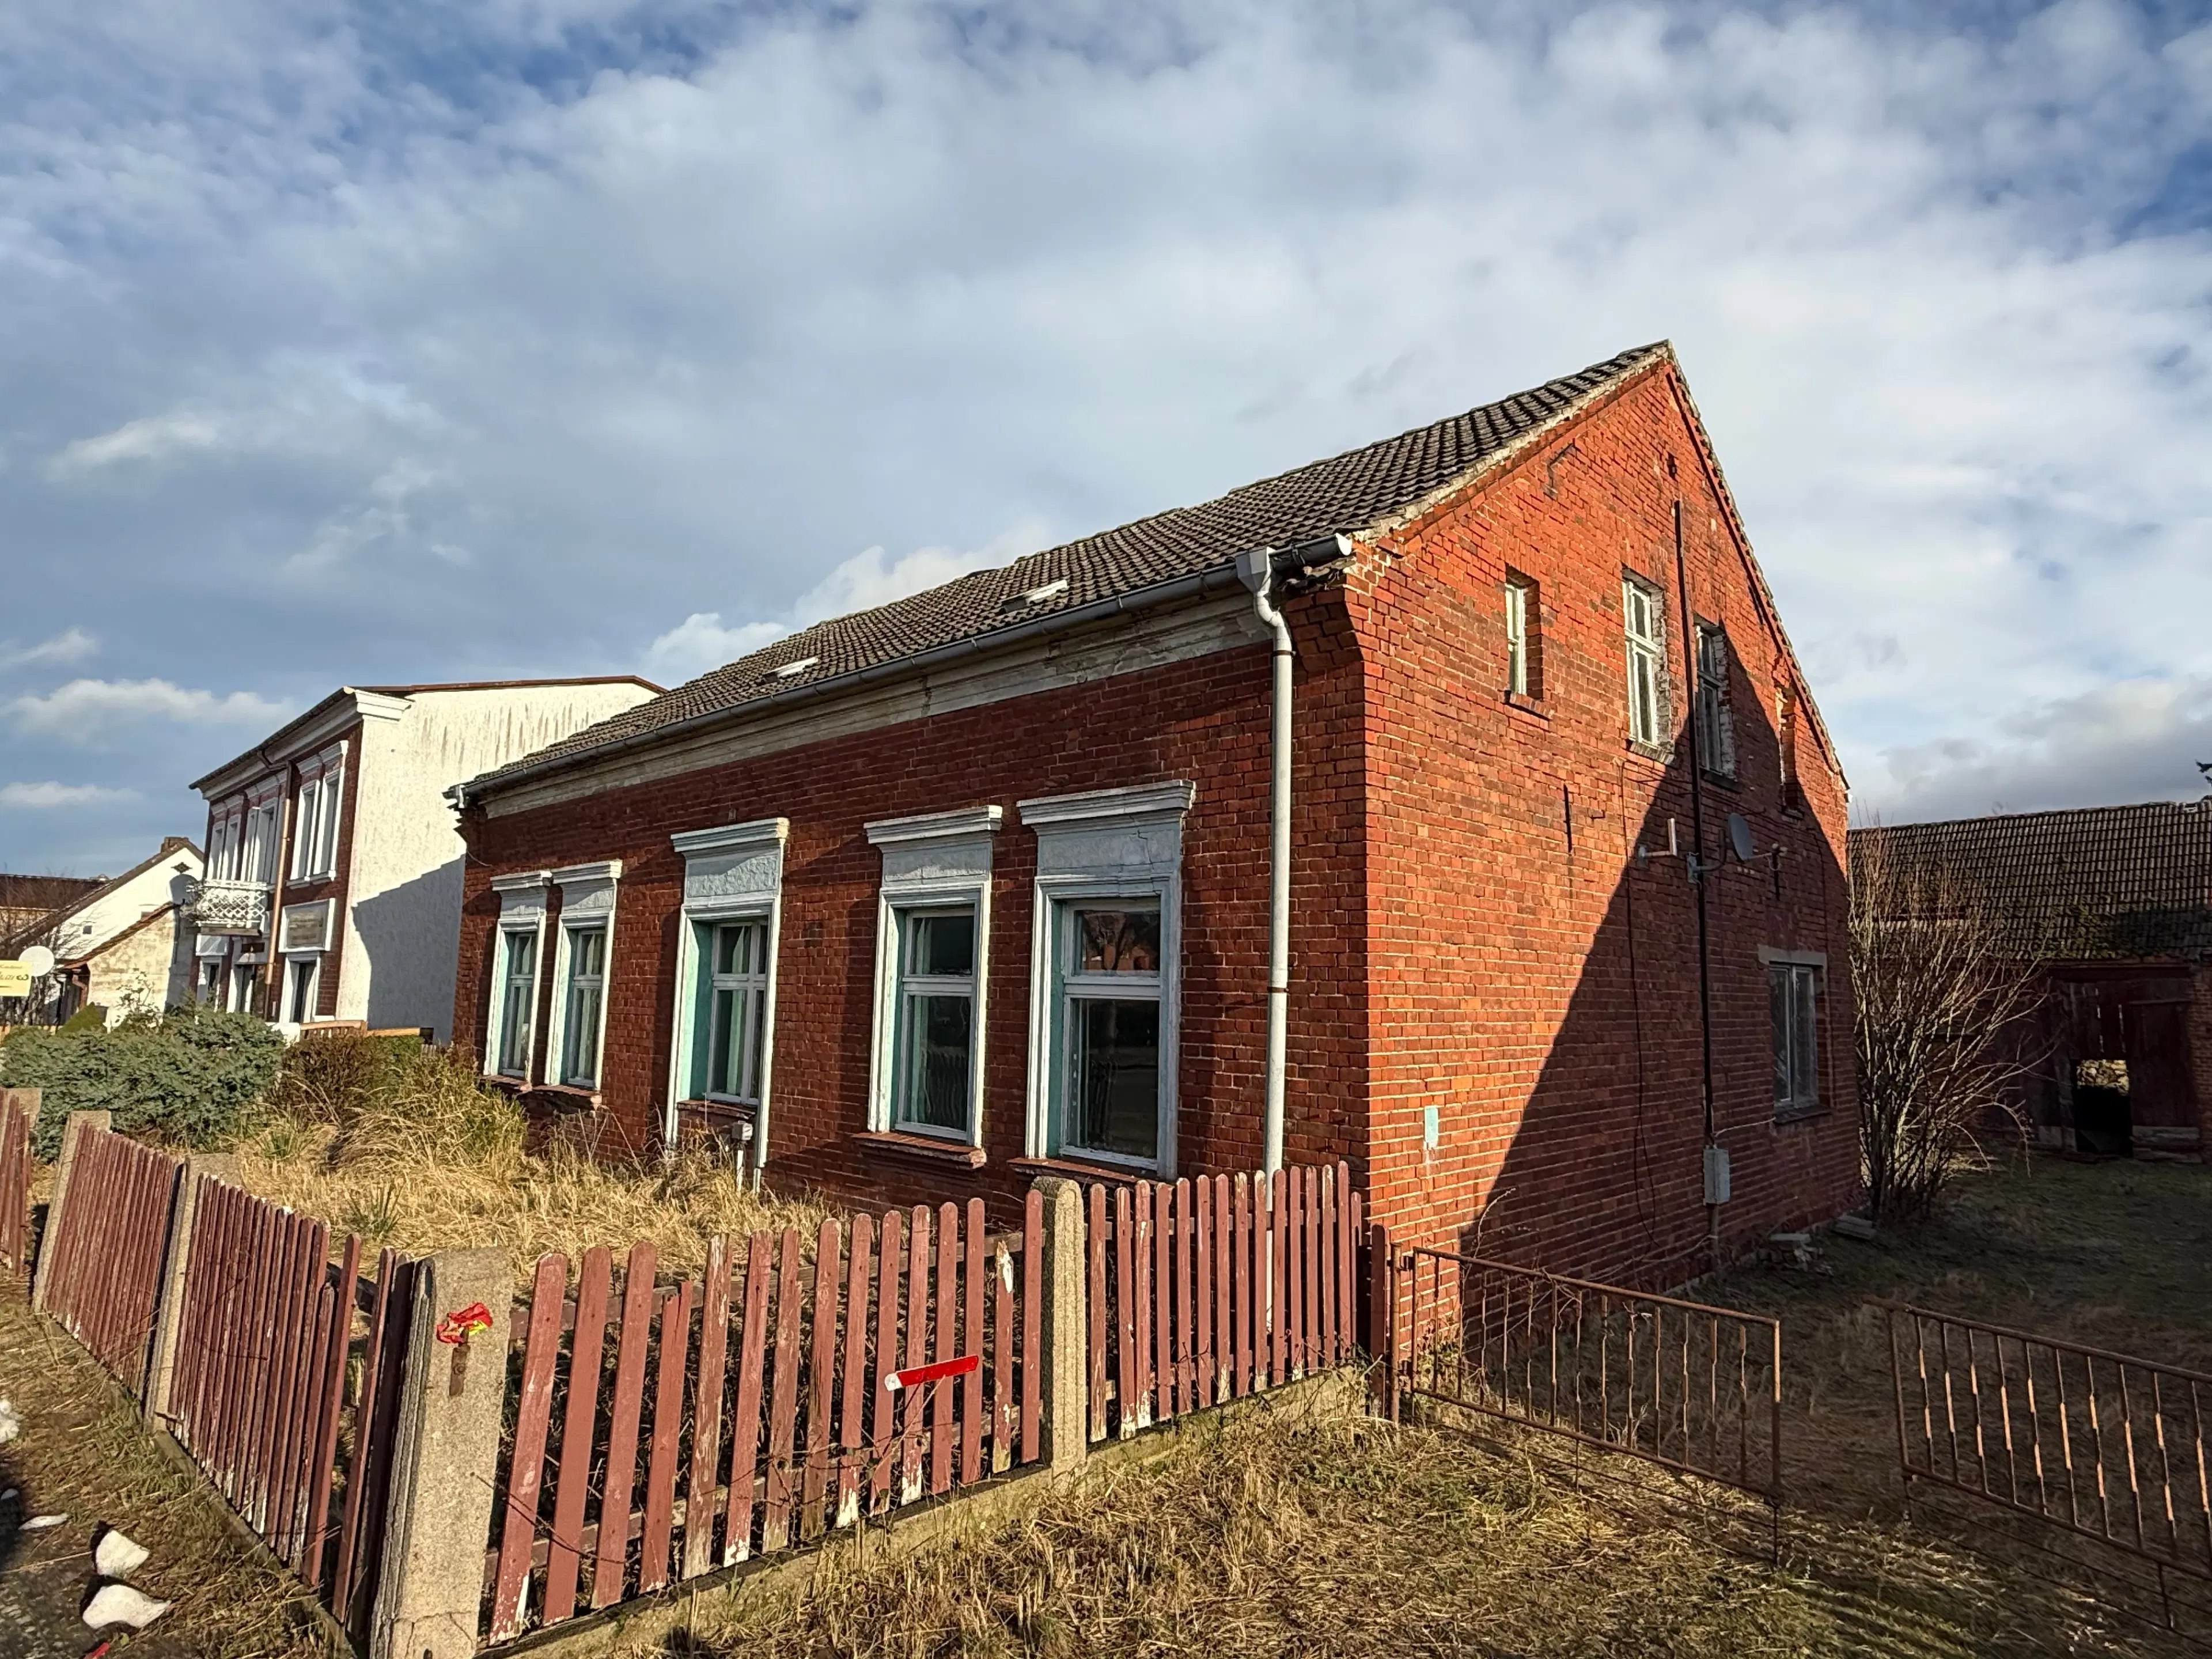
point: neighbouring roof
(1347, 493)
(35, 932)
(2098, 881)
(44, 893)
(273, 743)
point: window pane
(1778, 1008)
(935, 1092)
(583, 1038)
(756, 1014)
(1117, 941)
(587, 952)
(1115, 1076)
(725, 1029)
(1804, 1032)
(941, 945)
(521, 955)
(734, 951)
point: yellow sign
(14, 979)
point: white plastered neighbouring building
(333, 888)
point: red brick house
(978, 883)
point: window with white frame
(1645, 621)
(1716, 722)
(1521, 611)
(1793, 991)
(1105, 974)
(932, 943)
(303, 977)
(518, 998)
(244, 989)
(582, 954)
(723, 1052)
(209, 991)
(737, 1012)
(315, 825)
(511, 1018)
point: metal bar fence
(108, 1248)
(15, 1181)
(269, 1331)
(2104, 1445)
(662, 1431)
(1692, 1388)
(1206, 1289)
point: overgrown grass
(1285, 1532)
(424, 1157)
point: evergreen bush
(188, 1078)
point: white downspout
(1257, 569)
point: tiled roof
(2101, 881)
(1346, 493)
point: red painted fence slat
(707, 1410)
(745, 1424)
(594, 1282)
(611, 1547)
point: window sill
(1800, 1115)
(1529, 705)
(1722, 779)
(727, 1110)
(1659, 754)
(567, 1097)
(926, 1148)
(1069, 1168)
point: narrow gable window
(1785, 722)
(1645, 621)
(1521, 615)
(1716, 722)
(1793, 998)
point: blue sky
(369, 343)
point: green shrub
(189, 1078)
(93, 1017)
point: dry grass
(1277, 1532)
(431, 1159)
(84, 1452)
(1286, 1531)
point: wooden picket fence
(267, 1330)
(15, 1123)
(675, 1429)
(1206, 1290)
(108, 1244)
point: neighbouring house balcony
(220, 905)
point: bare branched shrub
(1945, 1005)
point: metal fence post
(1066, 1400)
(169, 1304)
(80, 1125)
(445, 1459)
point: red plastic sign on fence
(918, 1375)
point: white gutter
(1258, 569)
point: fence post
(1382, 1321)
(80, 1125)
(16, 1202)
(445, 1461)
(169, 1306)
(1067, 1397)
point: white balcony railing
(226, 906)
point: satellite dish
(1740, 838)
(39, 959)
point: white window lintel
(1100, 806)
(1768, 953)
(936, 826)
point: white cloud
(85, 708)
(70, 645)
(151, 438)
(700, 643)
(43, 797)
(869, 578)
(729, 287)
(2135, 740)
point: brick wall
(1204, 720)
(1529, 980)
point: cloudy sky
(371, 343)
